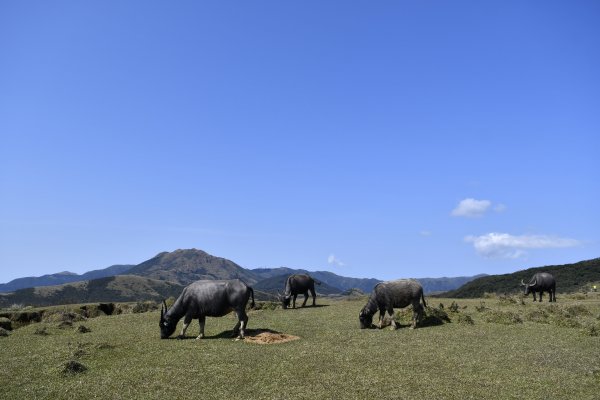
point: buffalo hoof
(180, 337)
(199, 337)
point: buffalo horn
(523, 283)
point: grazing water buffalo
(207, 298)
(541, 282)
(390, 294)
(298, 284)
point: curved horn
(534, 283)
(523, 283)
(162, 312)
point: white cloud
(425, 233)
(471, 208)
(504, 245)
(334, 261)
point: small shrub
(434, 316)
(506, 300)
(577, 310)
(16, 307)
(503, 317)
(267, 305)
(170, 301)
(465, 319)
(63, 316)
(43, 331)
(65, 325)
(5, 323)
(487, 295)
(454, 307)
(83, 329)
(591, 329)
(539, 316)
(144, 306)
(73, 367)
(565, 321)
(4, 332)
(431, 317)
(481, 307)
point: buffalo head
(166, 327)
(528, 287)
(285, 300)
(365, 319)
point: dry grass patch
(265, 336)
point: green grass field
(553, 353)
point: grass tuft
(465, 319)
(503, 317)
(73, 367)
(42, 331)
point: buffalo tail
(253, 304)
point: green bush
(539, 316)
(144, 306)
(266, 305)
(503, 317)
(465, 319)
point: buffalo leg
(314, 296)
(294, 301)
(186, 323)
(417, 314)
(381, 317)
(305, 298)
(534, 298)
(201, 321)
(391, 312)
(242, 323)
(541, 294)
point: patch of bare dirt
(266, 336)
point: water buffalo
(387, 295)
(541, 282)
(207, 298)
(298, 284)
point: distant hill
(436, 285)
(331, 279)
(186, 266)
(569, 278)
(114, 288)
(62, 277)
(168, 272)
(277, 284)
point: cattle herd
(216, 298)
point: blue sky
(388, 140)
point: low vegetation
(457, 353)
(577, 279)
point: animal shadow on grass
(229, 334)
(307, 307)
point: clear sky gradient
(373, 139)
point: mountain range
(167, 273)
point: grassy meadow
(493, 348)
